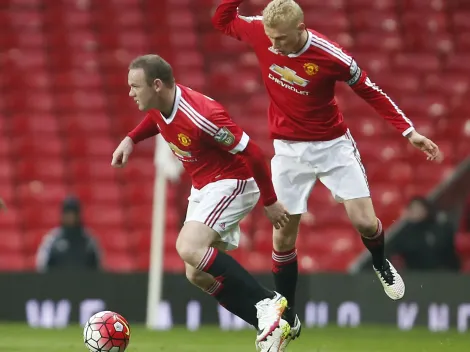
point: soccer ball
(106, 332)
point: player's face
(417, 212)
(286, 39)
(143, 94)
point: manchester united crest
(311, 68)
(184, 139)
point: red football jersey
(201, 134)
(301, 86)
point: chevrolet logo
(178, 151)
(288, 75)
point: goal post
(167, 168)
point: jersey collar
(304, 48)
(175, 107)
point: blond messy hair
(279, 12)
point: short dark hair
(155, 67)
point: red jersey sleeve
(226, 134)
(350, 72)
(145, 129)
(227, 20)
(230, 137)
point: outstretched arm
(227, 20)
(350, 72)
(145, 129)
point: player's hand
(3, 207)
(426, 145)
(277, 214)
(122, 152)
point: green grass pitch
(20, 338)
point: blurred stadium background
(64, 108)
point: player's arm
(227, 20)
(351, 73)
(145, 129)
(230, 137)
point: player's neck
(303, 40)
(168, 102)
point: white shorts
(222, 205)
(336, 163)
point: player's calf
(284, 264)
(226, 298)
(193, 247)
(362, 215)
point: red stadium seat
(34, 170)
(383, 5)
(97, 216)
(40, 124)
(37, 146)
(6, 171)
(119, 262)
(101, 146)
(12, 241)
(14, 261)
(38, 193)
(87, 124)
(100, 193)
(7, 191)
(424, 6)
(96, 169)
(34, 216)
(139, 192)
(374, 21)
(417, 62)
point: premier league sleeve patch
(355, 72)
(225, 137)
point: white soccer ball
(106, 332)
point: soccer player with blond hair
(300, 68)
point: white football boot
(293, 334)
(269, 313)
(391, 281)
(274, 341)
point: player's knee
(366, 225)
(187, 252)
(284, 239)
(194, 276)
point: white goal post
(167, 167)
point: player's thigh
(342, 171)
(221, 206)
(193, 240)
(293, 180)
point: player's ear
(301, 27)
(157, 84)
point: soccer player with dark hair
(229, 175)
(300, 68)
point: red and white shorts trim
(296, 166)
(222, 205)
